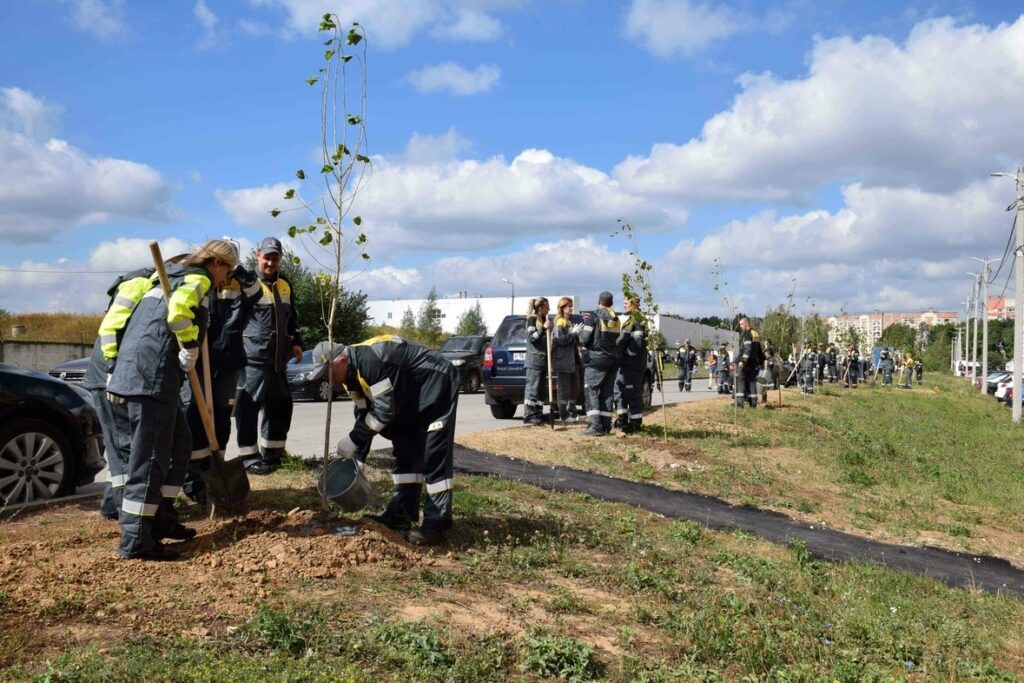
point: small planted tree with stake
(332, 234)
(638, 284)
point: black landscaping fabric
(991, 574)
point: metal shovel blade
(227, 483)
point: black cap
(270, 245)
(605, 298)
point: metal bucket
(346, 485)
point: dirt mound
(60, 566)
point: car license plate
(519, 357)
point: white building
(494, 309)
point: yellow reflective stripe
(180, 315)
(363, 384)
(381, 338)
(129, 293)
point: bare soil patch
(59, 573)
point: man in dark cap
(409, 394)
(271, 339)
(601, 360)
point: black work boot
(393, 521)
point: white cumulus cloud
(102, 18)
(470, 24)
(48, 185)
(670, 27)
(455, 78)
(389, 24)
(208, 22)
(423, 148)
(934, 112)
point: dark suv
(505, 368)
(467, 354)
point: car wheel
(647, 391)
(323, 390)
(472, 383)
(503, 410)
(35, 462)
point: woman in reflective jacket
(564, 336)
(148, 376)
(537, 326)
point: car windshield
(511, 331)
(460, 344)
(307, 358)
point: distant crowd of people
(757, 366)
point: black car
(307, 379)
(71, 371)
(50, 439)
(505, 369)
(467, 354)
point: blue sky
(844, 147)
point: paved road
(306, 438)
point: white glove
(577, 329)
(346, 448)
(187, 359)
(638, 334)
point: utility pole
(984, 322)
(974, 337)
(1018, 314)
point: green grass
(675, 600)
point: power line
(1006, 251)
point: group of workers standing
(246, 324)
(758, 366)
(613, 351)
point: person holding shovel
(564, 339)
(230, 306)
(537, 329)
(409, 394)
(161, 342)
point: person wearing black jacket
(749, 363)
(409, 394)
(270, 339)
(601, 359)
(537, 329)
(230, 307)
(564, 339)
(686, 359)
(632, 344)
